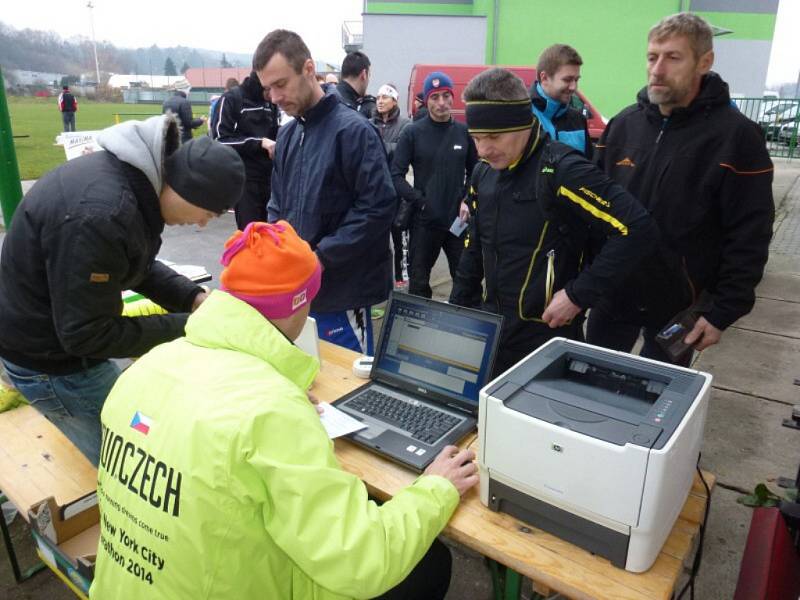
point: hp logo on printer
(557, 448)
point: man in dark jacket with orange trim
(703, 171)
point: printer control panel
(662, 408)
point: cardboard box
(66, 538)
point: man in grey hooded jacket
(85, 232)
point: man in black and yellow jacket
(535, 205)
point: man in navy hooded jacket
(331, 182)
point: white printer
(595, 446)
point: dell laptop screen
(438, 348)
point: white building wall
(395, 43)
(743, 64)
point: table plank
(561, 566)
(37, 461)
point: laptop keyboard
(421, 422)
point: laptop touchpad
(371, 432)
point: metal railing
(779, 118)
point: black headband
(499, 116)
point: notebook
(431, 361)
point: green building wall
(610, 35)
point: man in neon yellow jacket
(216, 477)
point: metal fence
(779, 118)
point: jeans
(71, 402)
(68, 118)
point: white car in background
(776, 115)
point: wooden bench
(37, 461)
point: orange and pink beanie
(271, 268)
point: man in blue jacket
(558, 71)
(330, 180)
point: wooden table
(37, 461)
(549, 561)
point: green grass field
(39, 119)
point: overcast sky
(227, 26)
(238, 25)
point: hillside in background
(32, 50)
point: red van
(462, 74)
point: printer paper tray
(584, 533)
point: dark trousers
(253, 204)
(423, 250)
(518, 339)
(400, 251)
(429, 580)
(68, 118)
(618, 333)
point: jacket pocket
(662, 288)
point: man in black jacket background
(68, 106)
(534, 202)
(84, 233)
(353, 87)
(247, 121)
(442, 155)
(703, 171)
(179, 105)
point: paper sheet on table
(458, 226)
(194, 272)
(337, 423)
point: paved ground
(754, 368)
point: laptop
(431, 361)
